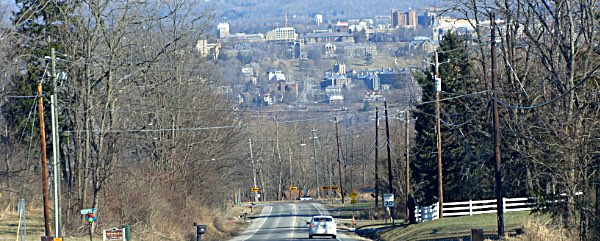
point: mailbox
(200, 228)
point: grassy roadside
(363, 211)
(9, 224)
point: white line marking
(293, 221)
(264, 220)
(317, 209)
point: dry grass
(221, 225)
(536, 231)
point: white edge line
(294, 221)
(317, 208)
(264, 220)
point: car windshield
(322, 220)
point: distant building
(319, 19)
(244, 38)
(338, 81)
(341, 27)
(360, 50)
(404, 19)
(339, 68)
(334, 94)
(267, 98)
(275, 75)
(279, 34)
(383, 19)
(222, 30)
(329, 49)
(299, 53)
(248, 73)
(328, 37)
(458, 26)
(205, 49)
(426, 19)
(421, 45)
(370, 79)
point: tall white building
(319, 19)
(222, 30)
(287, 33)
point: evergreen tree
(466, 139)
(39, 23)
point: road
(286, 221)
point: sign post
(388, 202)
(90, 216)
(114, 234)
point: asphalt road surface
(286, 221)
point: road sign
(87, 211)
(334, 188)
(293, 188)
(254, 189)
(113, 234)
(325, 188)
(388, 200)
(353, 195)
(353, 201)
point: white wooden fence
(467, 208)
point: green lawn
(442, 228)
(458, 226)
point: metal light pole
(55, 151)
(316, 165)
(253, 170)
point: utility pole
(55, 151)
(44, 163)
(339, 160)
(438, 89)
(291, 164)
(279, 189)
(253, 171)
(409, 201)
(376, 157)
(497, 137)
(389, 156)
(316, 165)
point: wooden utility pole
(376, 157)
(339, 159)
(279, 187)
(497, 137)
(44, 163)
(389, 156)
(438, 89)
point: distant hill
(268, 11)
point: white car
(322, 226)
(306, 198)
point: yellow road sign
(353, 195)
(334, 188)
(353, 201)
(325, 188)
(254, 189)
(293, 188)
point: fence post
(470, 207)
(503, 205)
